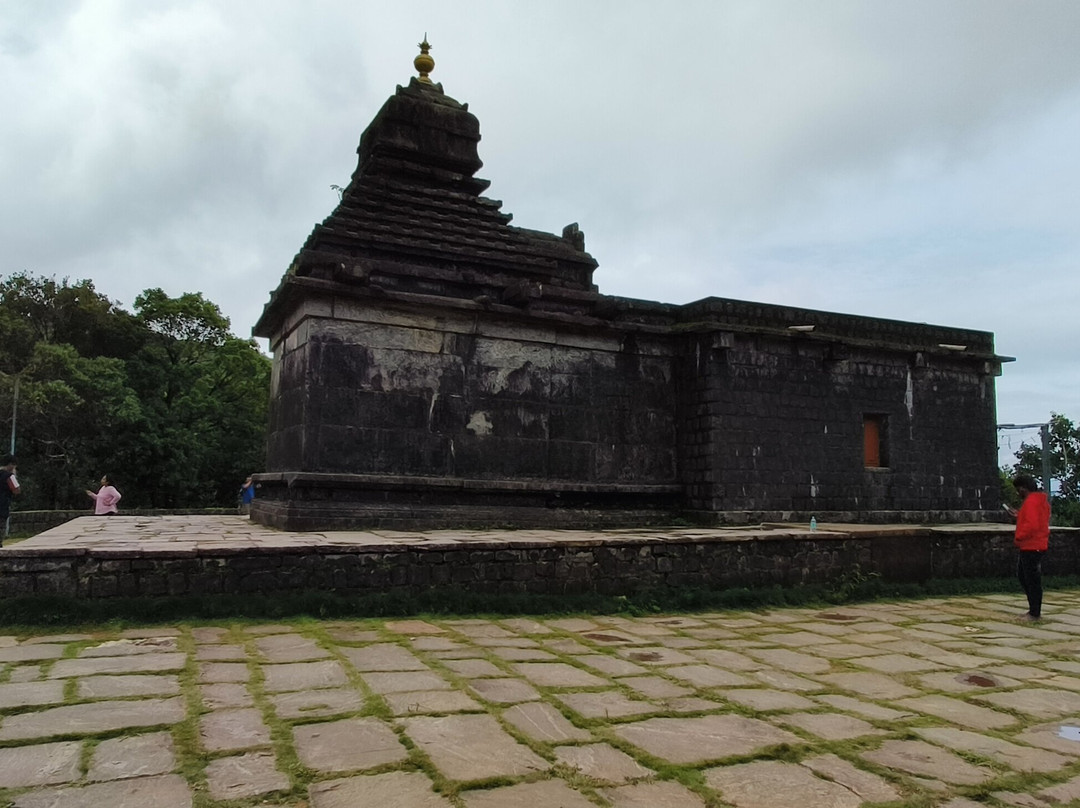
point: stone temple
(435, 366)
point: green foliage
(1064, 467)
(166, 401)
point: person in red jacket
(1031, 539)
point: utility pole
(1044, 433)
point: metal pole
(1045, 432)
(14, 413)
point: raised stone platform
(103, 557)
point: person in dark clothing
(9, 487)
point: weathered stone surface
(137, 756)
(26, 694)
(863, 708)
(544, 794)
(235, 672)
(504, 691)
(557, 674)
(352, 744)
(40, 765)
(289, 648)
(143, 663)
(870, 685)
(30, 653)
(231, 730)
(765, 700)
(304, 676)
(225, 694)
(605, 704)
(317, 703)
(612, 666)
(770, 783)
(1019, 758)
(114, 687)
(100, 716)
(473, 668)
(247, 775)
(544, 723)
(382, 657)
(831, 726)
(165, 791)
(391, 790)
(220, 653)
(404, 681)
(727, 660)
(412, 628)
(959, 712)
(919, 758)
(792, 661)
(707, 676)
(130, 647)
(656, 655)
(472, 747)
(867, 786)
(1038, 702)
(695, 740)
(655, 687)
(602, 762)
(896, 663)
(430, 701)
(522, 654)
(1059, 736)
(209, 634)
(652, 795)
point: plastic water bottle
(813, 523)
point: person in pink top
(106, 497)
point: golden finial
(423, 63)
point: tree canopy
(165, 400)
(1064, 467)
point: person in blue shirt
(247, 496)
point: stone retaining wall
(612, 567)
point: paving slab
(1016, 757)
(164, 791)
(40, 765)
(289, 648)
(612, 666)
(221, 653)
(558, 674)
(472, 747)
(137, 756)
(28, 694)
(543, 723)
(707, 676)
(232, 730)
(404, 681)
(220, 695)
(382, 657)
(92, 718)
(430, 701)
(131, 686)
(504, 691)
(391, 790)
(30, 653)
(247, 775)
(696, 740)
(317, 703)
(142, 663)
(545, 794)
(867, 786)
(352, 744)
(767, 700)
(1037, 702)
(870, 685)
(606, 704)
(224, 672)
(130, 647)
(652, 795)
(772, 784)
(831, 726)
(958, 711)
(602, 762)
(920, 758)
(473, 668)
(304, 676)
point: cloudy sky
(909, 159)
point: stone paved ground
(946, 703)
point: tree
(167, 400)
(1064, 467)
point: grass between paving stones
(56, 611)
(193, 760)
